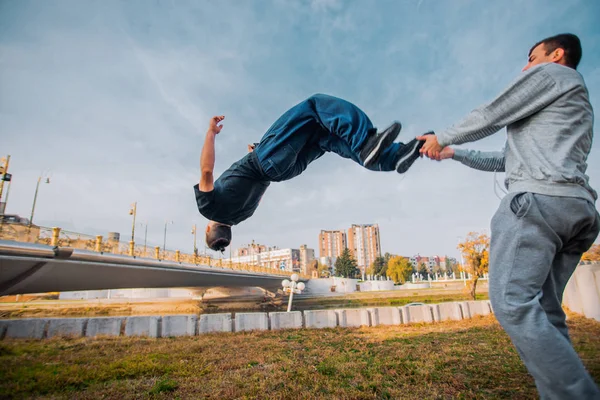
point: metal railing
(63, 238)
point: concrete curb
(192, 325)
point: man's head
(564, 49)
(218, 236)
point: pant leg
(349, 128)
(291, 143)
(524, 245)
(321, 123)
(563, 266)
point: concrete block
(67, 327)
(179, 325)
(489, 303)
(571, 296)
(215, 323)
(447, 311)
(109, 326)
(30, 328)
(348, 318)
(480, 307)
(588, 291)
(143, 326)
(285, 320)
(420, 313)
(385, 316)
(251, 322)
(320, 319)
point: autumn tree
(345, 265)
(593, 254)
(476, 252)
(399, 269)
(324, 270)
(378, 267)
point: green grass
(470, 359)
(393, 299)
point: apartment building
(364, 244)
(331, 245)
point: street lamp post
(292, 287)
(5, 177)
(132, 211)
(37, 188)
(165, 239)
(195, 242)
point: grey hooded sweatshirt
(548, 119)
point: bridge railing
(64, 238)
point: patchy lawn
(468, 359)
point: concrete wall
(190, 325)
(582, 294)
(373, 286)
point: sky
(111, 100)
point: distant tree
(387, 256)
(476, 253)
(324, 270)
(436, 269)
(593, 254)
(399, 269)
(449, 266)
(378, 267)
(345, 265)
(423, 270)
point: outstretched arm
(207, 158)
(530, 92)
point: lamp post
(292, 287)
(5, 177)
(37, 188)
(133, 211)
(195, 242)
(165, 238)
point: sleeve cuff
(443, 139)
(460, 154)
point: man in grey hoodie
(548, 218)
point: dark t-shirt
(236, 193)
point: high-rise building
(331, 245)
(306, 257)
(364, 244)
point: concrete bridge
(34, 268)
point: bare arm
(207, 158)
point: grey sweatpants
(536, 243)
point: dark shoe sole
(387, 138)
(407, 159)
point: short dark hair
(568, 42)
(218, 237)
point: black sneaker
(376, 144)
(409, 153)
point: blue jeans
(317, 125)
